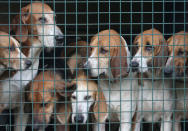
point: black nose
(79, 118)
(168, 71)
(134, 66)
(59, 39)
(28, 63)
(86, 65)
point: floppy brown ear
(135, 45)
(161, 58)
(118, 63)
(100, 107)
(65, 89)
(19, 25)
(63, 112)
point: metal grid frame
(168, 16)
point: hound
(110, 57)
(155, 96)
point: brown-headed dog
(86, 99)
(47, 94)
(34, 28)
(155, 96)
(110, 57)
(176, 68)
(76, 57)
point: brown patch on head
(108, 44)
(28, 24)
(10, 52)
(153, 46)
(100, 106)
(76, 54)
(178, 50)
(44, 92)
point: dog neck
(5, 73)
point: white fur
(81, 106)
(181, 103)
(155, 98)
(121, 97)
(155, 103)
(142, 60)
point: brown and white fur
(88, 97)
(155, 96)
(34, 28)
(46, 94)
(176, 68)
(110, 57)
(11, 58)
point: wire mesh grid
(93, 65)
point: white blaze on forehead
(80, 105)
(168, 63)
(142, 61)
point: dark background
(86, 18)
(128, 17)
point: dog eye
(74, 97)
(12, 48)
(87, 97)
(103, 51)
(180, 52)
(148, 47)
(42, 20)
(44, 104)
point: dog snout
(37, 125)
(134, 66)
(28, 63)
(168, 71)
(79, 118)
(86, 65)
(59, 39)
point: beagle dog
(110, 57)
(49, 96)
(155, 96)
(34, 28)
(88, 98)
(11, 57)
(12, 61)
(176, 68)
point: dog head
(11, 56)
(37, 21)
(109, 55)
(151, 52)
(44, 92)
(86, 96)
(178, 52)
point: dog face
(178, 52)
(43, 96)
(86, 95)
(38, 19)
(109, 53)
(151, 53)
(11, 56)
